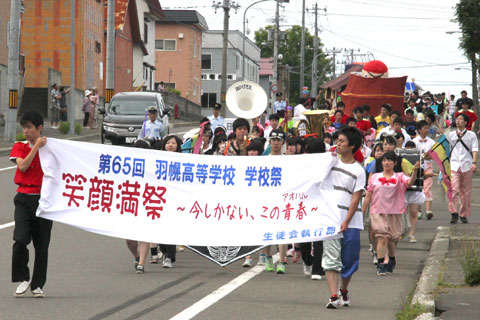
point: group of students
(366, 165)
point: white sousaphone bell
(246, 99)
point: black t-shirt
(461, 101)
(373, 122)
(411, 128)
(63, 100)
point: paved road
(92, 277)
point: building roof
(342, 80)
(266, 67)
(186, 17)
(156, 9)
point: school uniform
(425, 145)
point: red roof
(266, 66)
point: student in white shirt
(463, 163)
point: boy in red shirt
(29, 227)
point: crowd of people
(375, 185)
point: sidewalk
(85, 135)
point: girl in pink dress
(386, 194)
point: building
(4, 18)
(46, 44)
(212, 49)
(149, 12)
(129, 45)
(266, 78)
(178, 45)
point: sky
(412, 37)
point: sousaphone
(246, 99)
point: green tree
(291, 50)
(467, 15)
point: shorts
(55, 114)
(387, 225)
(342, 255)
(414, 197)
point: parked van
(125, 114)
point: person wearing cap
(308, 100)
(216, 119)
(87, 108)
(277, 140)
(280, 104)
(151, 128)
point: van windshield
(131, 105)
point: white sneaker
(38, 293)
(316, 277)
(412, 239)
(22, 289)
(290, 252)
(167, 263)
(334, 304)
(262, 259)
(307, 270)
(344, 298)
(375, 259)
(248, 262)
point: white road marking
(7, 168)
(6, 225)
(220, 293)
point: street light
(243, 48)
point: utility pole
(333, 52)
(315, 53)
(110, 63)
(302, 50)
(275, 51)
(226, 10)
(71, 105)
(12, 76)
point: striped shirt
(347, 179)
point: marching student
(277, 140)
(463, 163)
(386, 193)
(341, 256)
(29, 227)
(425, 143)
(383, 119)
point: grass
(78, 128)
(411, 311)
(471, 263)
(64, 127)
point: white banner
(177, 198)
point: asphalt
(85, 135)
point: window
(204, 76)
(194, 90)
(194, 48)
(98, 47)
(169, 85)
(211, 76)
(145, 33)
(199, 52)
(166, 45)
(208, 99)
(207, 61)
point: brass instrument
(314, 123)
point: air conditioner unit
(180, 36)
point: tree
(290, 49)
(467, 15)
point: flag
(440, 153)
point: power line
(385, 17)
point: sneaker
(297, 255)
(375, 259)
(248, 262)
(344, 298)
(154, 259)
(262, 259)
(22, 289)
(370, 248)
(419, 216)
(381, 269)
(412, 238)
(307, 270)
(167, 263)
(269, 265)
(38, 293)
(334, 303)
(280, 268)
(464, 219)
(391, 266)
(429, 215)
(139, 269)
(454, 218)
(290, 252)
(135, 263)
(316, 277)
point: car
(125, 114)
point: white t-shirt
(389, 130)
(348, 178)
(424, 145)
(297, 112)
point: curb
(427, 284)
